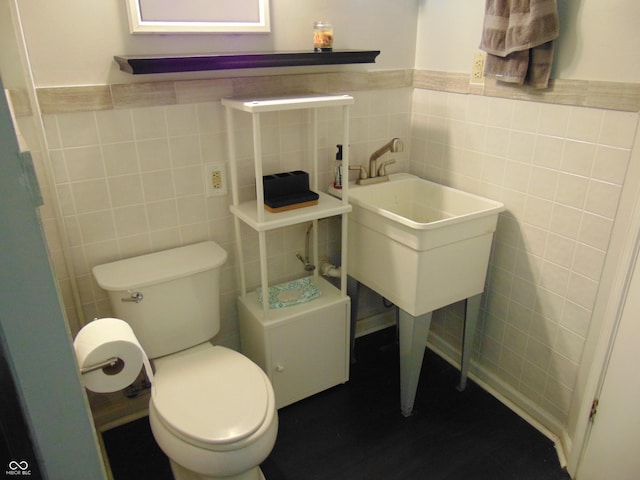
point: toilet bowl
(208, 422)
(212, 410)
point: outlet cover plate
(215, 179)
(477, 67)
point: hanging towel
(518, 38)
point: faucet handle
(363, 172)
(382, 171)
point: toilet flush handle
(135, 297)
(279, 368)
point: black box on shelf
(287, 190)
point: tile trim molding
(583, 93)
(56, 100)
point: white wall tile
(548, 152)
(553, 119)
(584, 124)
(58, 166)
(149, 123)
(512, 363)
(576, 319)
(595, 230)
(500, 111)
(554, 278)
(543, 182)
(191, 210)
(162, 215)
(84, 163)
(582, 290)
(588, 261)
(497, 141)
(560, 250)
(185, 150)
(549, 304)
(520, 317)
(521, 146)
(578, 157)
(516, 175)
(97, 226)
(90, 195)
(120, 158)
(182, 119)
(572, 190)
(78, 129)
(558, 394)
(538, 354)
(533, 376)
(188, 180)
(543, 330)
(610, 164)
(114, 126)
(478, 109)
(569, 345)
(602, 198)
(525, 116)
(158, 185)
(154, 154)
(618, 128)
(131, 220)
(125, 190)
(51, 131)
(565, 221)
(538, 212)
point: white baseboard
(373, 323)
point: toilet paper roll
(101, 340)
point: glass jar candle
(322, 37)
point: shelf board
(327, 207)
(330, 296)
(271, 104)
(145, 64)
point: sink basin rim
(402, 181)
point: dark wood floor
(356, 432)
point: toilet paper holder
(112, 366)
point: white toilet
(212, 410)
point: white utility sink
(419, 244)
(422, 246)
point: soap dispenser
(337, 182)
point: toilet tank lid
(158, 267)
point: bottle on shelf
(337, 169)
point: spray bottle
(337, 182)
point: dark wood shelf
(145, 64)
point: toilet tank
(178, 294)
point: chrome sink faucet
(376, 174)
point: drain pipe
(329, 270)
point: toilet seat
(210, 396)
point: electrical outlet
(215, 177)
(477, 67)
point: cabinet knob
(279, 368)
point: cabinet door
(310, 354)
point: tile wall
(131, 180)
(128, 175)
(559, 171)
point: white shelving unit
(304, 348)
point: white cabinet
(303, 348)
